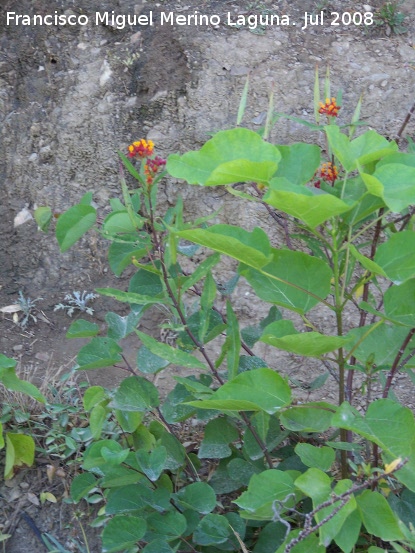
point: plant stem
(196, 342)
(365, 295)
(405, 122)
(338, 306)
(382, 212)
(396, 363)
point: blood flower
(327, 172)
(330, 108)
(152, 167)
(142, 148)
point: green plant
(28, 307)
(78, 301)
(262, 476)
(19, 448)
(390, 15)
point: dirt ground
(71, 97)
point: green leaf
(93, 396)
(397, 256)
(93, 457)
(86, 198)
(20, 450)
(283, 335)
(256, 390)
(390, 426)
(114, 458)
(209, 293)
(12, 382)
(367, 263)
(251, 334)
(368, 147)
(122, 254)
(263, 491)
(380, 345)
(130, 167)
(198, 496)
(81, 485)
(230, 156)
(145, 283)
(150, 363)
(348, 535)
(307, 545)
(207, 300)
(253, 248)
(298, 162)
(201, 271)
(218, 433)
(403, 506)
(234, 342)
(212, 529)
(116, 476)
(121, 532)
(394, 183)
(96, 420)
(378, 517)
(399, 303)
(122, 223)
(128, 498)
(129, 297)
(100, 352)
(73, 224)
(82, 329)
(128, 420)
(301, 202)
(152, 463)
(316, 457)
(43, 217)
(310, 417)
(120, 327)
(213, 323)
(135, 393)
(317, 485)
(268, 429)
(158, 546)
(270, 538)
(293, 280)
(176, 453)
(170, 525)
(169, 353)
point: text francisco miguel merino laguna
(164, 18)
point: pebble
(136, 37)
(42, 356)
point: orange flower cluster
(152, 167)
(330, 108)
(328, 172)
(142, 148)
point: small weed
(28, 307)
(79, 301)
(320, 6)
(390, 16)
